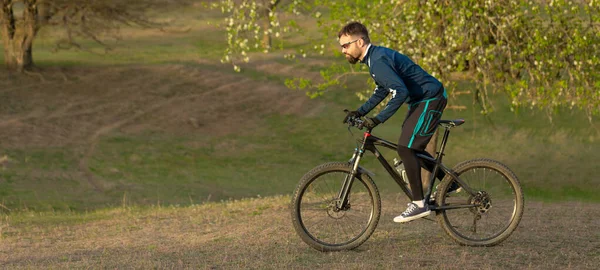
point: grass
(188, 198)
(176, 48)
(553, 165)
(554, 160)
(277, 155)
(189, 37)
(255, 233)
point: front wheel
(320, 222)
(497, 203)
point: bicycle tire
(492, 198)
(308, 188)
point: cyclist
(408, 83)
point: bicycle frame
(371, 142)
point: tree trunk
(269, 7)
(18, 42)
(266, 40)
(7, 24)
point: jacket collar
(367, 57)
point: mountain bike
(336, 206)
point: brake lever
(361, 125)
(358, 123)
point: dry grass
(256, 233)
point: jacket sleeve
(378, 95)
(390, 81)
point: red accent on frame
(367, 134)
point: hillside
(68, 122)
(160, 121)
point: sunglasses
(347, 44)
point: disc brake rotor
(335, 212)
(483, 202)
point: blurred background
(113, 103)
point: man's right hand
(350, 114)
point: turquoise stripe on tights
(419, 124)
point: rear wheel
(497, 203)
(316, 217)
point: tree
(268, 11)
(18, 36)
(541, 54)
(251, 25)
(21, 20)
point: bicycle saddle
(453, 123)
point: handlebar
(356, 122)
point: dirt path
(257, 234)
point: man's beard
(351, 59)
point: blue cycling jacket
(395, 73)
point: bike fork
(343, 194)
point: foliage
(542, 54)
(248, 23)
(552, 56)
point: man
(408, 83)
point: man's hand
(350, 114)
(369, 123)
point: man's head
(354, 39)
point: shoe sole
(424, 214)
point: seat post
(443, 146)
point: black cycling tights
(413, 169)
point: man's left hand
(370, 123)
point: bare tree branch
(98, 20)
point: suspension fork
(343, 194)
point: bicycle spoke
(319, 218)
(495, 201)
(335, 225)
(324, 193)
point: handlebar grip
(356, 122)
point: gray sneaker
(413, 212)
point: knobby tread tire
(296, 202)
(508, 174)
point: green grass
(555, 160)
(271, 160)
(136, 51)
(175, 44)
(553, 164)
